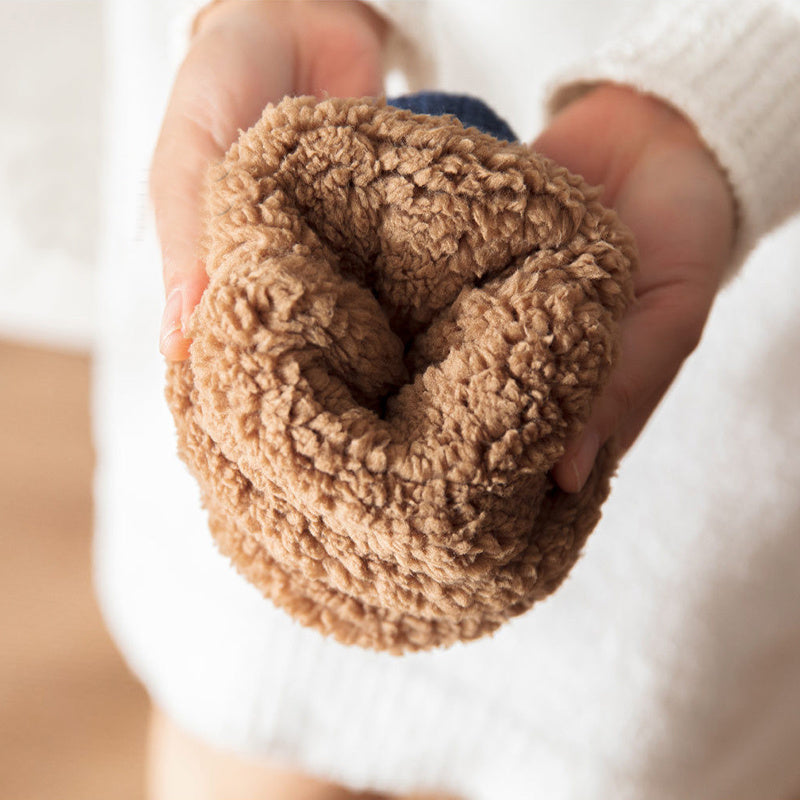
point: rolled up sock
(405, 321)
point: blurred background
(72, 719)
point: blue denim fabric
(471, 111)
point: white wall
(51, 81)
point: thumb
(236, 65)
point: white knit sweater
(668, 665)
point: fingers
(680, 209)
(658, 335)
(669, 191)
(236, 65)
(244, 56)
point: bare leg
(182, 768)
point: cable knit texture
(405, 320)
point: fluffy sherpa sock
(405, 320)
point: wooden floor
(72, 719)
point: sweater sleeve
(733, 68)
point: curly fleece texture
(405, 320)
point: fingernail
(583, 460)
(171, 324)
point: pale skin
(655, 170)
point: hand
(668, 189)
(243, 56)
